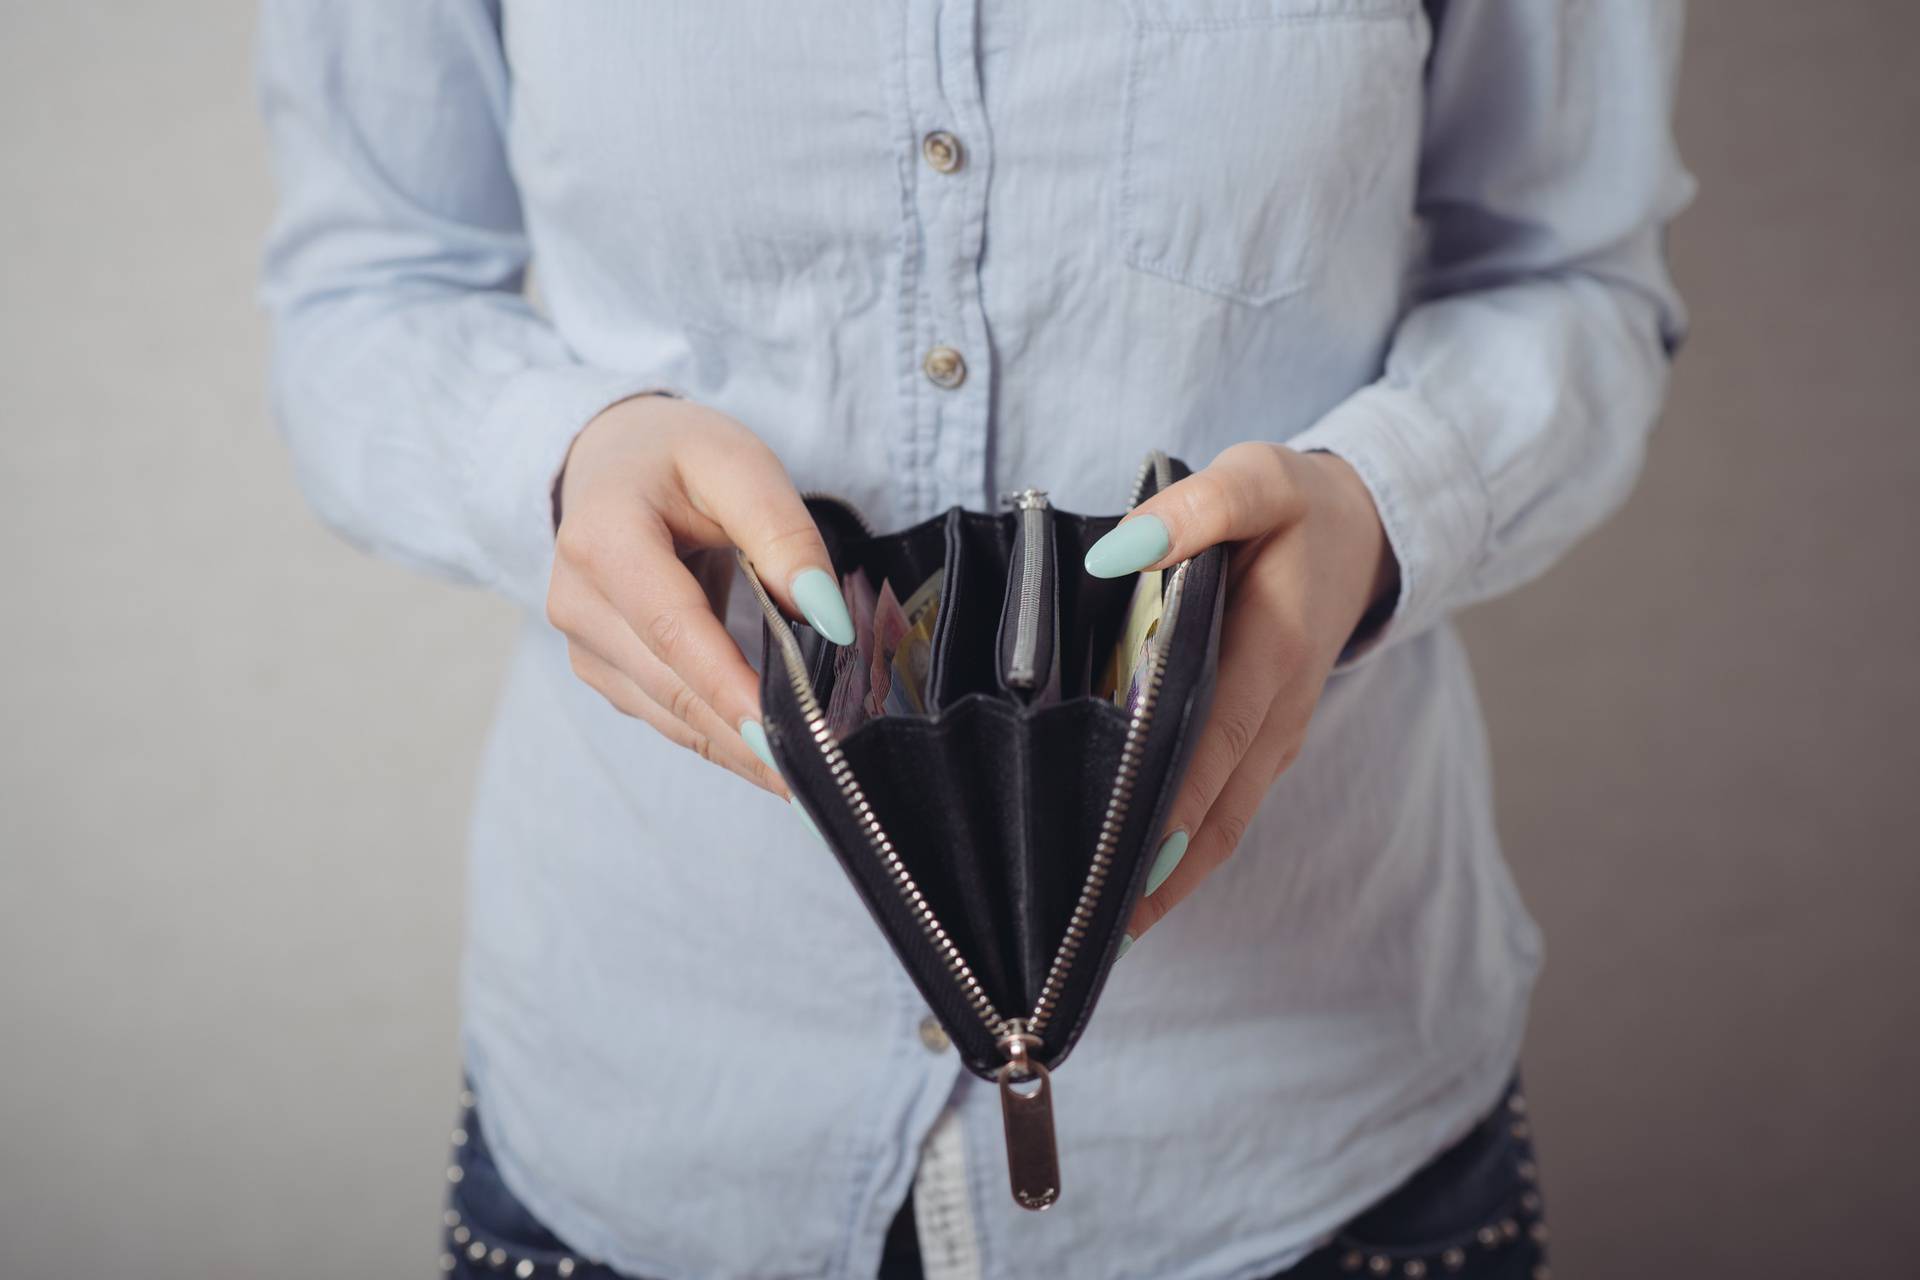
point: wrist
(1368, 560)
(606, 419)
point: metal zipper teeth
(1114, 821)
(1023, 669)
(1156, 464)
(1159, 467)
(851, 792)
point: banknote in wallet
(884, 671)
(1128, 664)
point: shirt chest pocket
(1253, 130)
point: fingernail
(1126, 940)
(818, 596)
(1172, 849)
(806, 818)
(756, 739)
(1129, 547)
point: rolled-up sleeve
(1517, 395)
(427, 404)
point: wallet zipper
(1026, 1087)
(1023, 667)
(1119, 801)
(1158, 465)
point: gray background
(235, 757)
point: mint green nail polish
(1126, 940)
(1129, 547)
(1172, 849)
(818, 596)
(806, 818)
(756, 738)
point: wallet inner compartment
(964, 652)
(906, 559)
(976, 550)
(938, 788)
(1091, 611)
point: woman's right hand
(649, 483)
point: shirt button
(933, 1035)
(943, 151)
(944, 368)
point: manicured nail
(818, 596)
(1126, 940)
(756, 738)
(806, 818)
(1172, 849)
(1129, 547)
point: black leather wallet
(1001, 830)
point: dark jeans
(1474, 1213)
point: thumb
(741, 486)
(1247, 491)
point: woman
(1394, 268)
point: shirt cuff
(520, 446)
(1432, 501)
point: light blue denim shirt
(1425, 237)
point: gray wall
(235, 757)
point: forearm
(1516, 397)
(1509, 424)
(428, 425)
(428, 406)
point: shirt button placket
(950, 202)
(945, 368)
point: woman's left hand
(1309, 559)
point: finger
(1256, 659)
(1225, 823)
(733, 735)
(735, 481)
(627, 697)
(1247, 491)
(663, 604)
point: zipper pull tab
(1033, 1161)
